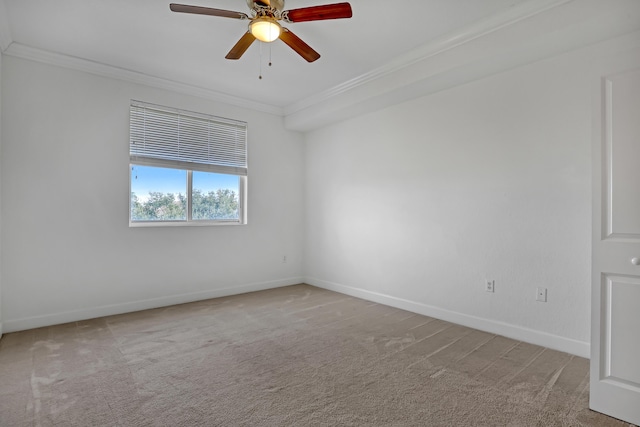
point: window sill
(143, 224)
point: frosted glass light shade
(265, 29)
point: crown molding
(559, 27)
(447, 42)
(5, 32)
(26, 52)
(521, 34)
(438, 46)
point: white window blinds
(168, 137)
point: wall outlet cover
(541, 294)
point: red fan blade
(240, 48)
(296, 43)
(318, 13)
(198, 10)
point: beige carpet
(295, 356)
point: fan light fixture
(265, 29)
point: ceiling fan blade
(240, 48)
(318, 13)
(199, 10)
(296, 43)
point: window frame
(190, 222)
(189, 168)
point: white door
(615, 298)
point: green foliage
(221, 204)
(215, 205)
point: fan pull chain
(270, 54)
(260, 76)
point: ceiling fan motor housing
(274, 4)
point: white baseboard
(568, 345)
(14, 325)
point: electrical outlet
(541, 294)
(490, 285)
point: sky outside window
(145, 179)
(207, 182)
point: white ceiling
(388, 52)
(146, 37)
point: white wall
(68, 252)
(1, 328)
(418, 204)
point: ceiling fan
(264, 25)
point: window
(186, 168)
